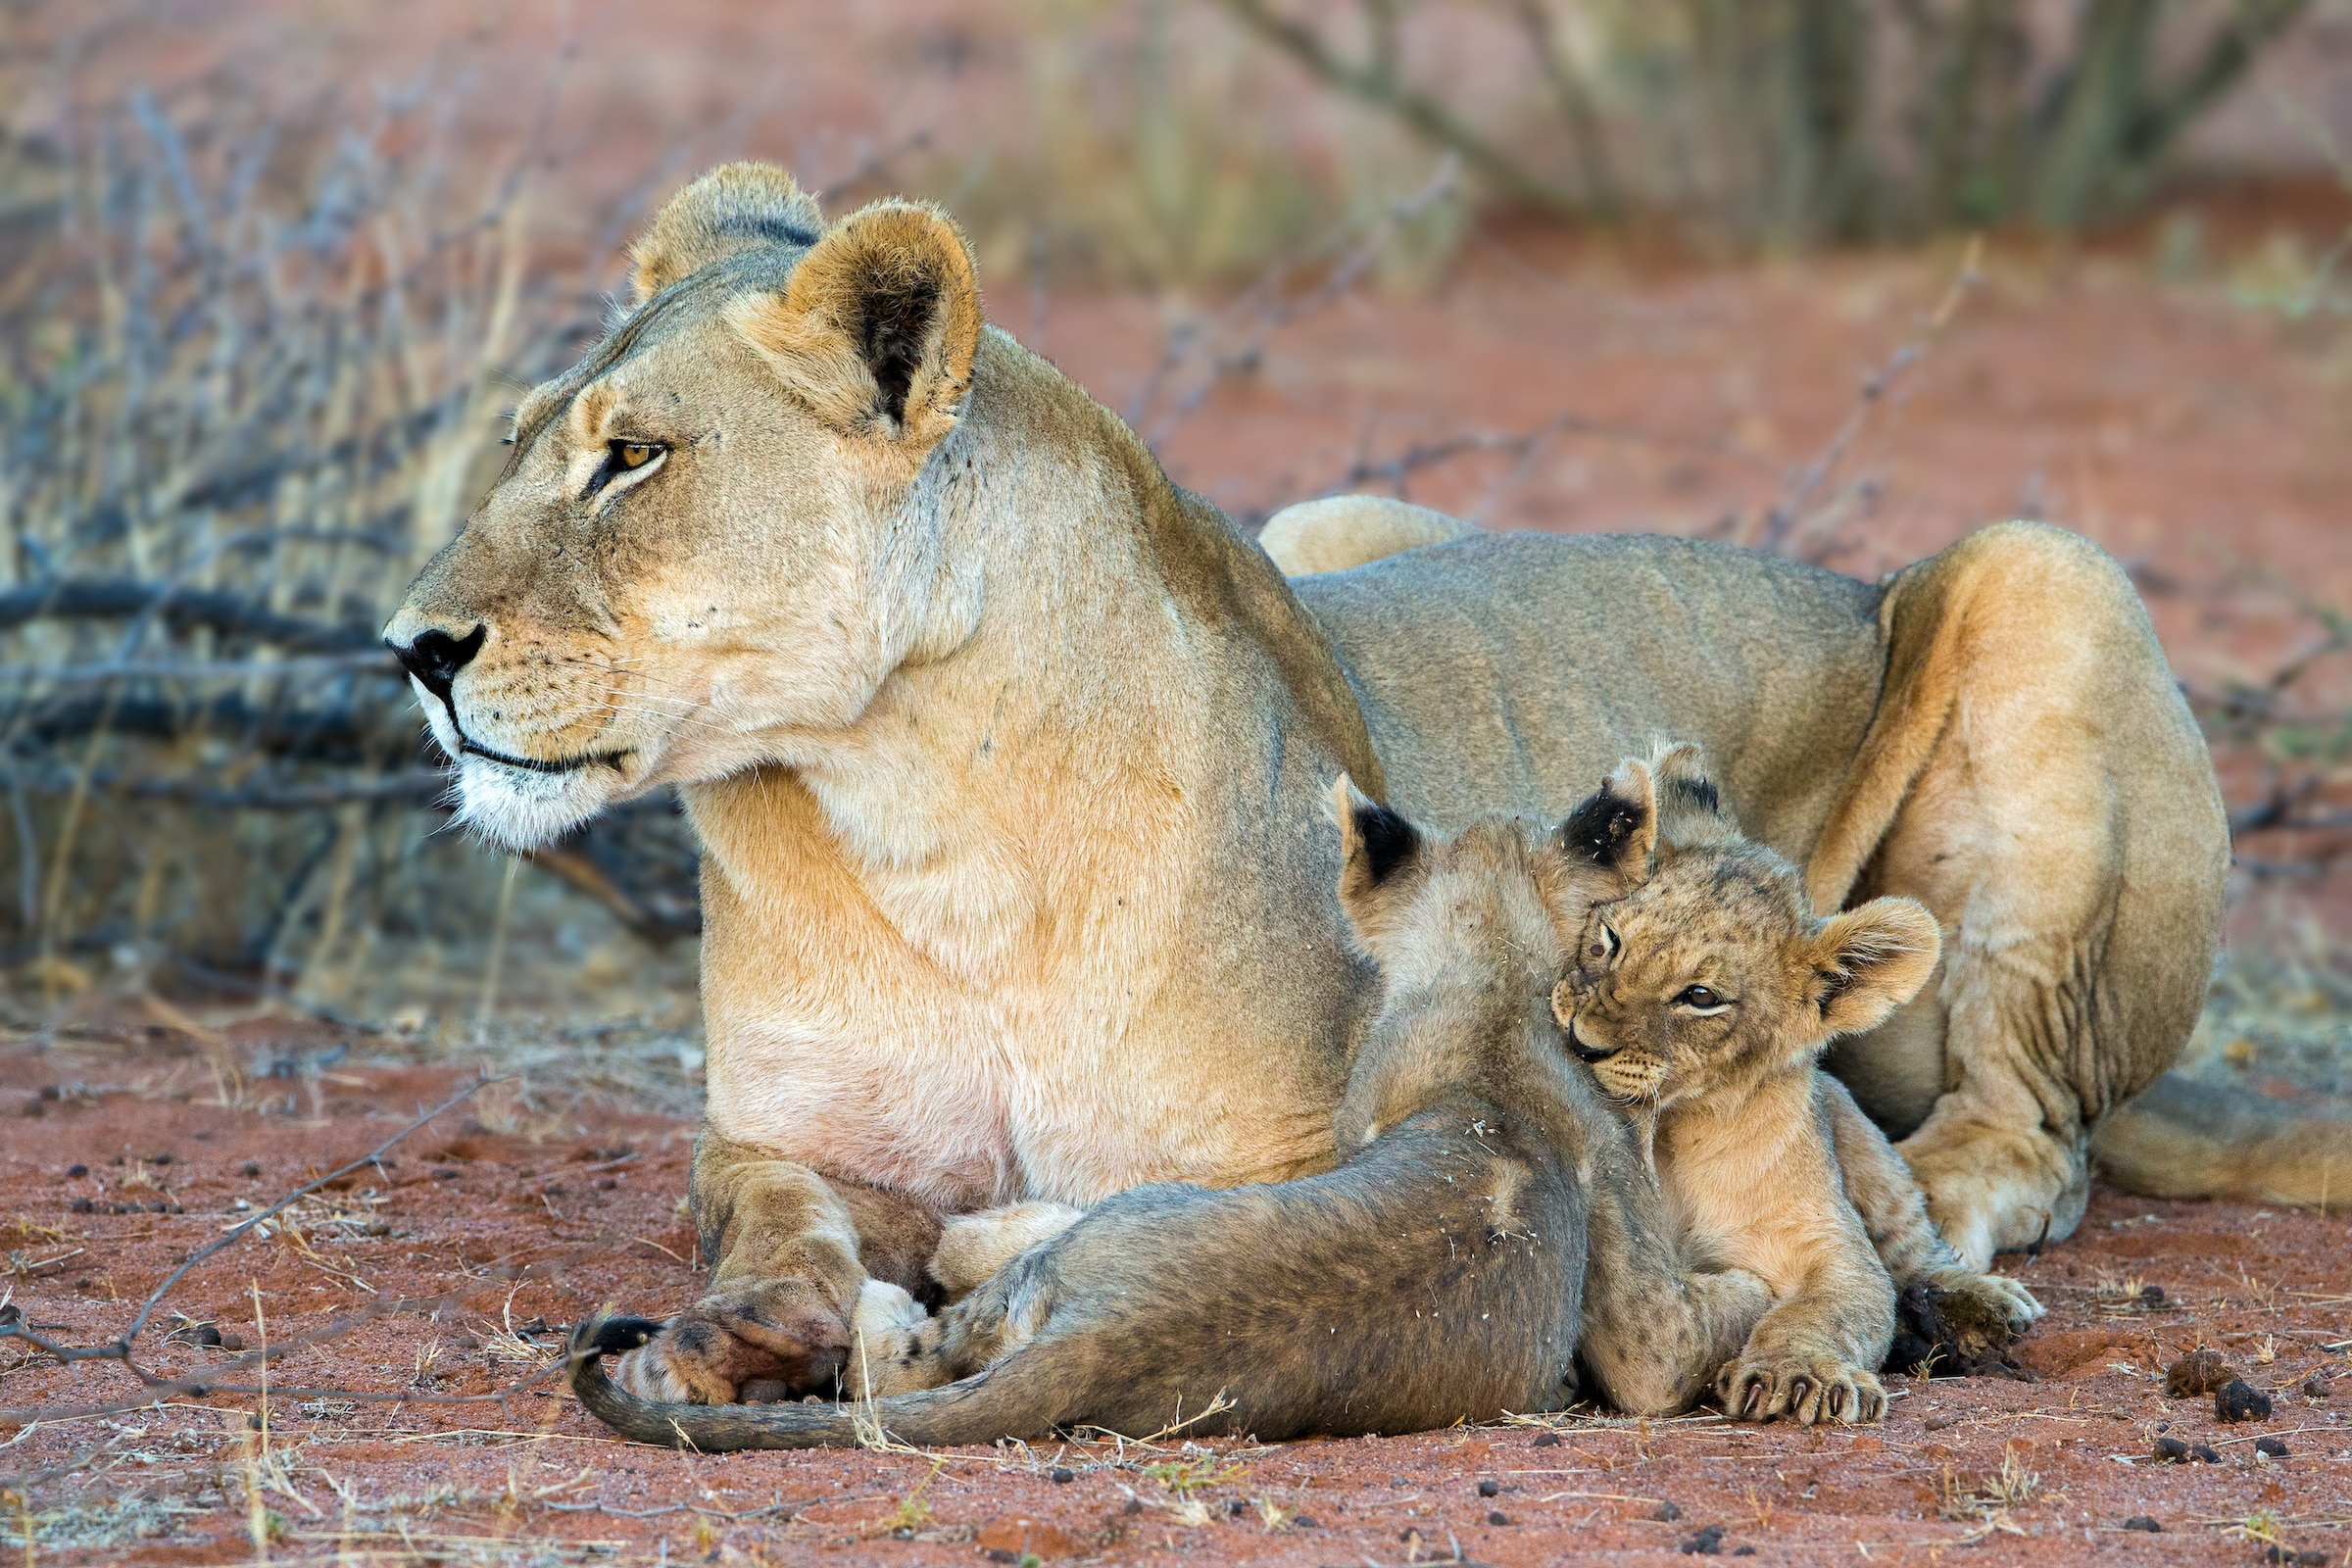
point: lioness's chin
(519, 809)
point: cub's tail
(1011, 1400)
(2186, 1138)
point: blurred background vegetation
(272, 273)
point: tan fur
(1338, 532)
(1702, 1000)
(903, 612)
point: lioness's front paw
(785, 1334)
(1764, 1386)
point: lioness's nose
(434, 658)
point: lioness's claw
(781, 1332)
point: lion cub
(1438, 1274)
(1702, 1000)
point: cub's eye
(633, 454)
(1607, 947)
(1701, 1000)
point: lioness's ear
(876, 329)
(1614, 829)
(1870, 961)
(1379, 850)
(1690, 808)
(734, 208)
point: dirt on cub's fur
(385, 1444)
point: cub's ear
(734, 208)
(1870, 961)
(1690, 808)
(877, 327)
(1380, 855)
(1614, 829)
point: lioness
(1437, 1275)
(900, 609)
(1702, 1000)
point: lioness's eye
(633, 454)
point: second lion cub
(1702, 1000)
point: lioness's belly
(1511, 671)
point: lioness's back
(1509, 671)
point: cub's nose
(434, 658)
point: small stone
(2151, 1296)
(1939, 1420)
(1498, 1517)
(162, 1159)
(1490, 1489)
(2239, 1401)
(1709, 1543)
(250, 1167)
(1744, 1551)
(1062, 1474)
(1551, 1439)
(2315, 1387)
(1307, 1522)
(232, 1342)
(1134, 1505)
(52, 1092)
(205, 1334)
(2169, 1451)
(1667, 1513)
(465, 1342)
(2197, 1373)
(77, 1170)
(2203, 1453)
(2269, 1447)
(82, 1206)
(2143, 1524)
(1235, 1508)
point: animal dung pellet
(2169, 1451)
(2142, 1523)
(2240, 1401)
(2269, 1447)
(2199, 1372)
(1490, 1489)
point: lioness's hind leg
(2035, 779)
(973, 1246)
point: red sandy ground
(590, 1196)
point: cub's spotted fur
(1702, 1000)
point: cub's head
(1468, 932)
(712, 539)
(1713, 972)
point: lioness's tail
(1014, 1400)
(2186, 1138)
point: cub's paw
(777, 1337)
(894, 1344)
(1763, 1385)
(2004, 1300)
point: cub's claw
(1808, 1390)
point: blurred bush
(249, 381)
(1795, 121)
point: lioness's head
(710, 539)
(1714, 971)
(1468, 932)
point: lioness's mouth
(468, 747)
(1585, 1052)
